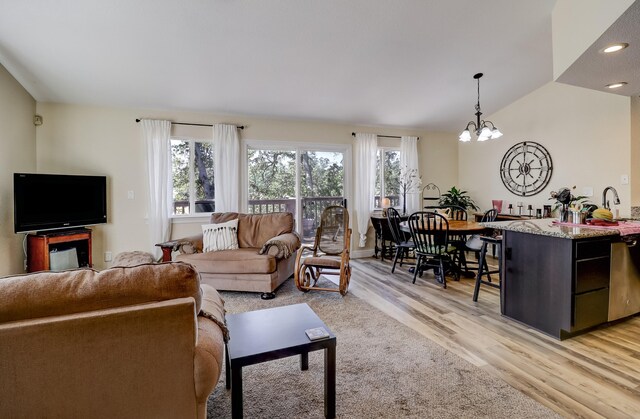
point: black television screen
(47, 202)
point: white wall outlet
(624, 179)
(130, 195)
(587, 191)
(108, 256)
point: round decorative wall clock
(526, 168)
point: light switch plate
(587, 191)
(130, 195)
(108, 256)
(624, 179)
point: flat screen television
(48, 202)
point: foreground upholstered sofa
(129, 342)
(264, 260)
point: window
(192, 176)
(387, 176)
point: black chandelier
(481, 127)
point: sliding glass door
(321, 185)
(298, 179)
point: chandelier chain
(478, 105)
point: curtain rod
(193, 125)
(353, 134)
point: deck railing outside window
(311, 208)
(181, 207)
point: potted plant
(457, 197)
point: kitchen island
(564, 280)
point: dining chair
(430, 233)
(458, 213)
(475, 242)
(483, 268)
(404, 245)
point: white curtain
(156, 135)
(365, 150)
(409, 161)
(226, 167)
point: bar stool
(483, 268)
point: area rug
(384, 370)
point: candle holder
(520, 205)
(530, 208)
(510, 207)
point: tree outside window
(272, 174)
(192, 176)
(387, 176)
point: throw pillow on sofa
(222, 236)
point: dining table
(458, 228)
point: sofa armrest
(189, 245)
(209, 351)
(282, 246)
(207, 361)
(213, 309)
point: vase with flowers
(409, 182)
(565, 201)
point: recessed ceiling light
(616, 85)
(615, 47)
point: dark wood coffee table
(274, 333)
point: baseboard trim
(364, 253)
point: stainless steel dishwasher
(624, 286)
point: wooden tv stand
(40, 244)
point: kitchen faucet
(616, 200)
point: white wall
(635, 151)
(97, 140)
(17, 154)
(586, 132)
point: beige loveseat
(120, 343)
(265, 258)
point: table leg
(227, 367)
(166, 254)
(330, 382)
(304, 361)
(236, 393)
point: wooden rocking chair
(330, 253)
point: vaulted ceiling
(406, 63)
(595, 70)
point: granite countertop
(545, 227)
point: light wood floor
(593, 375)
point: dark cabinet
(590, 309)
(556, 285)
(591, 278)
